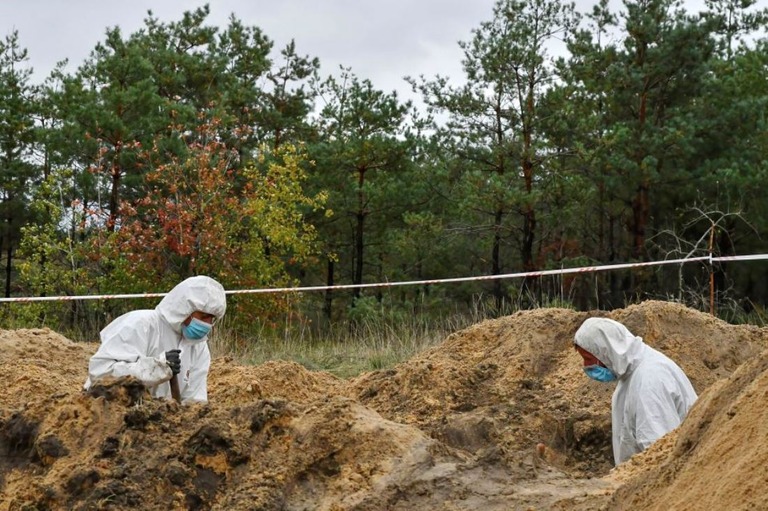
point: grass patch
(344, 351)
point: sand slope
(497, 417)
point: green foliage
(363, 161)
(51, 262)
(495, 129)
(18, 108)
(186, 148)
(275, 203)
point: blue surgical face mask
(600, 373)
(196, 329)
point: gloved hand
(173, 358)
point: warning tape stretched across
(562, 271)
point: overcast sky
(381, 40)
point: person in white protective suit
(652, 395)
(153, 345)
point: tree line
(185, 148)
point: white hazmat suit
(135, 343)
(652, 396)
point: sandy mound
(497, 417)
(516, 381)
(39, 364)
(719, 456)
(233, 383)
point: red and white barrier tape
(544, 273)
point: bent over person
(153, 345)
(653, 394)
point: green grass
(342, 351)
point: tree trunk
(529, 213)
(114, 196)
(529, 227)
(640, 203)
(640, 208)
(329, 281)
(529, 235)
(2, 241)
(496, 260)
(8, 267)
(359, 232)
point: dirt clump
(499, 416)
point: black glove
(173, 359)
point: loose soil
(498, 416)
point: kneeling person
(153, 345)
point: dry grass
(342, 350)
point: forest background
(185, 148)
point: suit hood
(198, 293)
(611, 343)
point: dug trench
(499, 416)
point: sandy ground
(499, 416)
